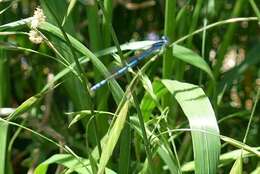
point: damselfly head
(165, 40)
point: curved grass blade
(237, 167)
(192, 58)
(70, 8)
(197, 108)
(117, 91)
(25, 106)
(224, 159)
(68, 161)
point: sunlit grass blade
(3, 146)
(9, 6)
(241, 145)
(82, 114)
(148, 104)
(225, 159)
(25, 106)
(70, 8)
(116, 89)
(68, 161)
(14, 25)
(197, 108)
(237, 167)
(158, 146)
(257, 170)
(113, 136)
(192, 58)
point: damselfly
(156, 46)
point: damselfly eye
(165, 40)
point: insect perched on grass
(134, 61)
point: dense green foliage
(189, 108)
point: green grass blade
(113, 136)
(257, 170)
(5, 99)
(94, 27)
(192, 58)
(237, 168)
(225, 159)
(169, 28)
(148, 104)
(108, 7)
(70, 8)
(228, 37)
(198, 110)
(3, 146)
(256, 10)
(25, 106)
(116, 89)
(68, 161)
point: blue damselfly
(156, 46)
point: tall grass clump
(191, 106)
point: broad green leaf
(113, 137)
(204, 129)
(192, 58)
(69, 161)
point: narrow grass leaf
(160, 146)
(205, 133)
(147, 103)
(9, 6)
(13, 25)
(237, 167)
(149, 89)
(257, 170)
(70, 8)
(127, 46)
(192, 58)
(113, 138)
(116, 90)
(241, 145)
(82, 114)
(68, 161)
(225, 159)
(3, 145)
(25, 106)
